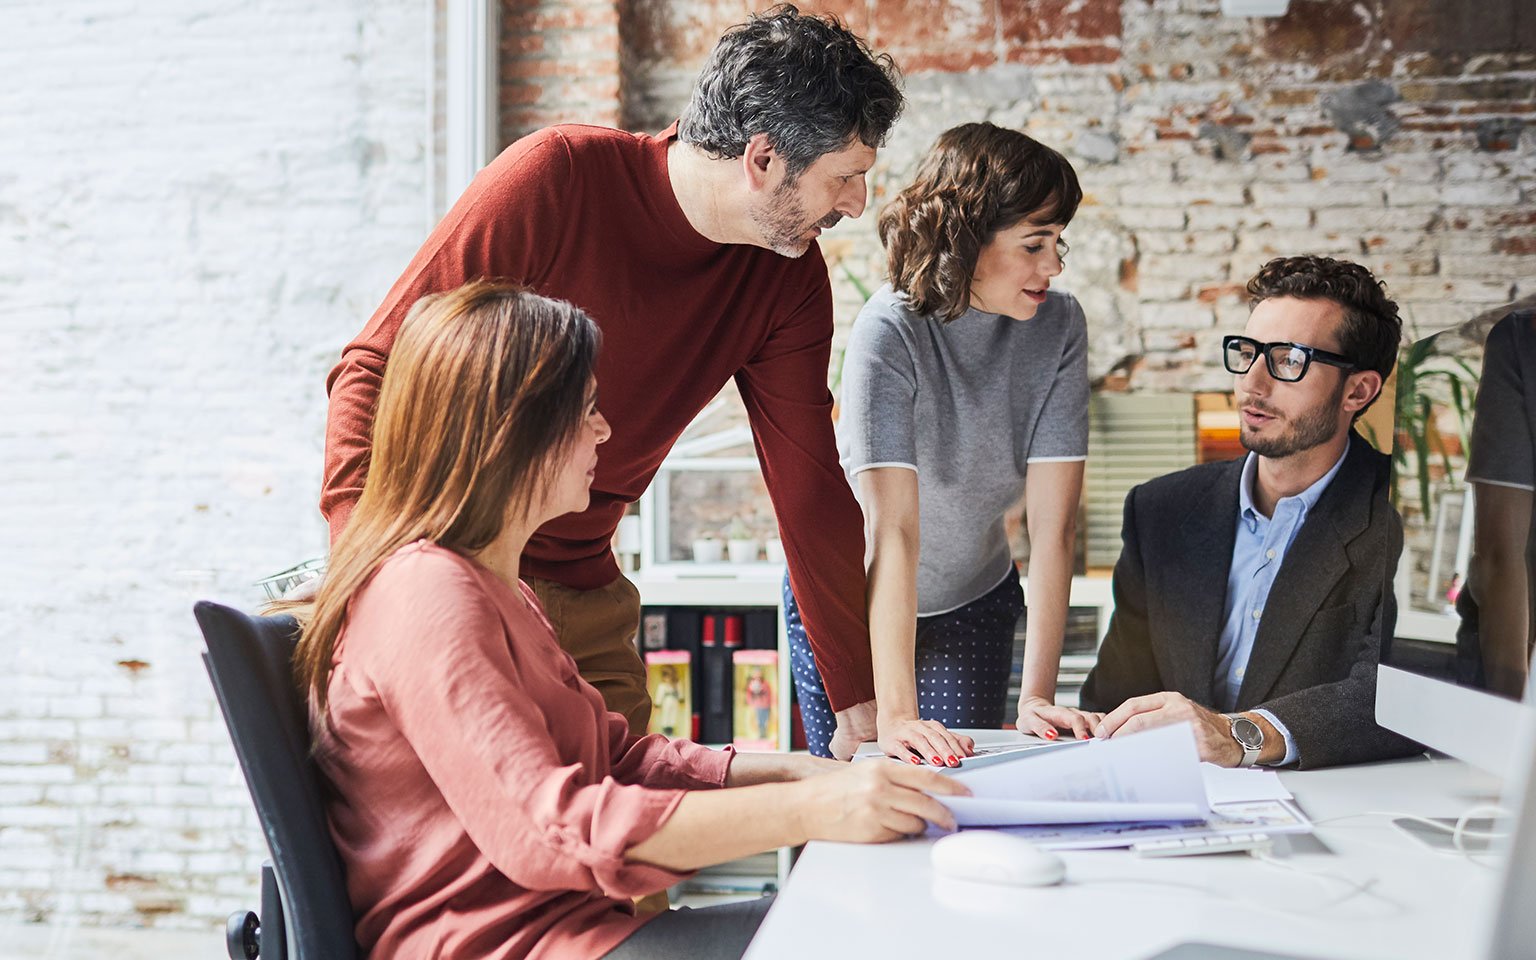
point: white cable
(1250, 902)
(1461, 832)
(1431, 822)
(1355, 886)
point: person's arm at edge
(1499, 579)
(1502, 470)
(1051, 494)
(820, 521)
(652, 760)
(869, 802)
(889, 497)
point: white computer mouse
(992, 856)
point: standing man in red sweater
(695, 251)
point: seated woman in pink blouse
(485, 802)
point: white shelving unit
(761, 589)
(754, 588)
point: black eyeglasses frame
(1262, 349)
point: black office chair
(303, 887)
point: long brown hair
(486, 385)
(978, 179)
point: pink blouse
(484, 797)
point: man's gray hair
(806, 81)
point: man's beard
(783, 222)
(1313, 428)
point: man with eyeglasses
(1249, 595)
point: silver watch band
(1251, 750)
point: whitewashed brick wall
(200, 201)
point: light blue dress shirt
(1257, 554)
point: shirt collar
(1307, 497)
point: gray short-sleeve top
(968, 405)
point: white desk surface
(857, 902)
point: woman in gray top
(965, 388)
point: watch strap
(1250, 753)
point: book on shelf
(715, 668)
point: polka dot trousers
(963, 660)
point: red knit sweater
(587, 214)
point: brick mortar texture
(203, 202)
(211, 198)
(1205, 144)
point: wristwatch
(1249, 736)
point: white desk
(857, 902)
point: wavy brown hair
(978, 179)
(485, 387)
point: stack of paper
(1079, 795)
(1149, 776)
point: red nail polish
(954, 762)
(917, 761)
(1050, 734)
(937, 762)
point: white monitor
(1513, 930)
(1432, 685)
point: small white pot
(744, 551)
(775, 550)
(707, 551)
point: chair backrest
(249, 661)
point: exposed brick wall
(200, 204)
(1395, 133)
(559, 64)
(207, 202)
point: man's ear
(1364, 385)
(757, 161)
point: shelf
(669, 588)
(693, 586)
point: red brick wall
(559, 64)
(1395, 132)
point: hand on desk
(923, 741)
(854, 726)
(1042, 718)
(1213, 731)
(876, 801)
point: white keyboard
(1191, 846)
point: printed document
(1149, 776)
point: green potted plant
(1427, 379)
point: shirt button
(1257, 614)
(1241, 671)
(1270, 554)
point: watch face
(1247, 733)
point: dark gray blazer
(1314, 659)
